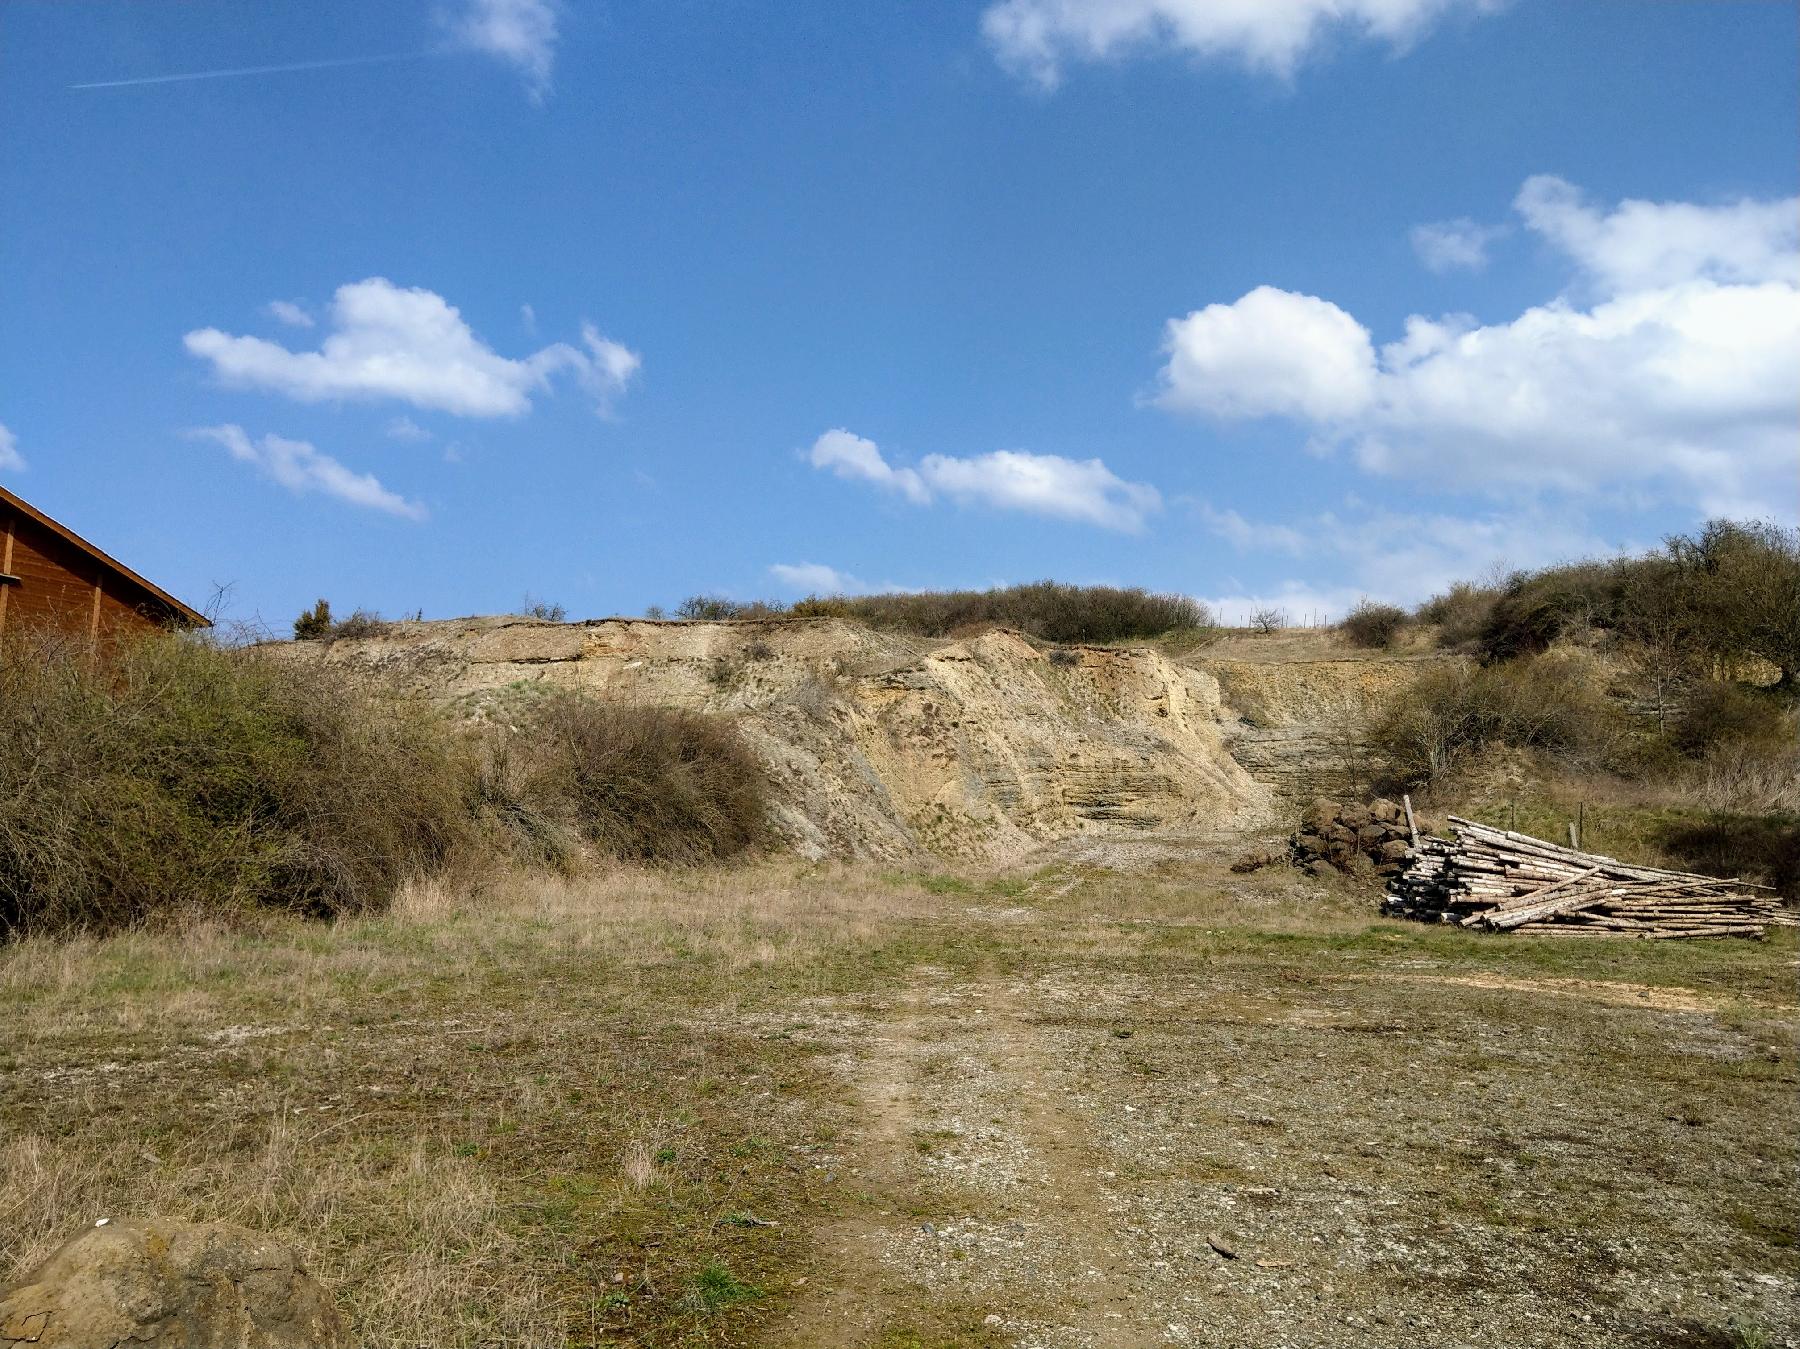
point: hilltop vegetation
(1048, 610)
(1662, 686)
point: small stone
(1223, 1247)
(991, 1320)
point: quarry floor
(1117, 1096)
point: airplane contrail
(254, 70)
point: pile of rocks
(1357, 839)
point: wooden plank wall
(62, 588)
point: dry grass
(503, 1116)
(536, 1112)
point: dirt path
(978, 1205)
(1048, 1149)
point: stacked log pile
(1497, 880)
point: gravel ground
(1125, 1131)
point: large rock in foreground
(171, 1285)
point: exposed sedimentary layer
(880, 745)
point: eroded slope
(880, 745)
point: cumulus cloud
(289, 312)
(10, 458)
(1272, 353)
(520, 33)
(1038, 38)
(1676, 373)
(1451, 245)
(814, 578)
(1040, 484)
(411, 345)
(301, 468)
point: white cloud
(1446, 245)
(10, 458)
(405, 428)
(521, 33)
(1642, 245)
(1039, 484)
(413, 346)
(854, 457)
(1272, 353)
(1037, 38)
(1680, 381)
(289, 312)
(1044, 484)
(814, 578)
(300, 468)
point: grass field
(827, 1105)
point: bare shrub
(362, 623)
(644, 783)
(1550, 705)
(715, 608)
(172, 777)
(1048, 610)
(1373, 625)
(1718, 713)
(1459, 614)
(1752, 776)
(1064, 657)
(543, 610)
(1264, 622)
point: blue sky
(615, 302)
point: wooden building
(51, 577)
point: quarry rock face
(172, 1285)
(878, 744)
(1300, 719)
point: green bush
(1373, 625)
(1048, 610)
(169, 777)
(642, 783)
(317, 625)
(313, 624)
